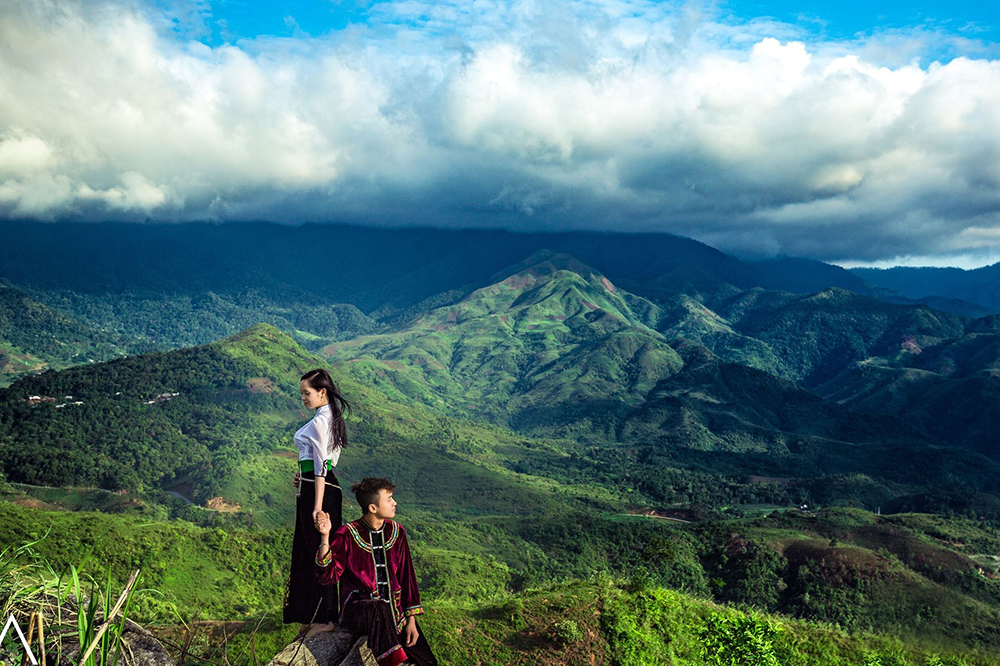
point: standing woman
(319, 442)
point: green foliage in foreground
(892, 590)
(614, 622)
(199, 571)
(84, 620)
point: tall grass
(80, 615)
(104, 642)
(19, 585)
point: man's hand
(323, 524)
(295, 480)
(410, 631)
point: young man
(378, 589)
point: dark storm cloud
(613, 115)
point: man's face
(386, 507)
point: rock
(141, 649)
(330, 648)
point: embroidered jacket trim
(389, 543)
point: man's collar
(361, 522)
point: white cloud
(136, 194)
(602, 113)
(23, 155)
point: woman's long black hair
(320, 379)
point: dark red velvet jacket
(350, 561)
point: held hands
(410, 631)
(322, 521)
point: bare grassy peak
(551, 287)
(685, 316)
(271, 351)
(544, 262)
(257, 334)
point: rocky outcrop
(335, 648)
(140, 648)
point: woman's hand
(295, 480)
(323, 524)
(317, 515)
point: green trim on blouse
(309, 466)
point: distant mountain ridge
(549, 341)
(980, 285)
(368, 267)
(571, 333)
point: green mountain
(819, 335)
(950, 390)
(807, 339)
(34, 336)
(552, 331)
(733, 419)
(218, 420)
(555, 350)
(140, 288)
(153, 420)
(589, 412)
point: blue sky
(232, 20)
(863, 134)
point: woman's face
(312, 398)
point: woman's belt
(331, 480)
(312, 479)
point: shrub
(567, 631)
(739, 639)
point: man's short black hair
(367, 490)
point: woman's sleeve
(317, 433)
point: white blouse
(315, 441)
